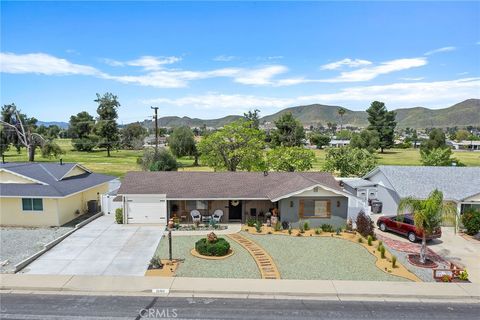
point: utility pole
(156, 127)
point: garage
(146, 210)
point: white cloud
(352, 63)
(224, 58)
(148, 63)
(412, 78)
(42, 63)
(260, 76)
(369, 73)
(443, 49)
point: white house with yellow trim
(47, 194)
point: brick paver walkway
(265, 263)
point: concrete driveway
(101, 248)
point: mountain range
(462, 114)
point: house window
(32, 204)
(316, 208)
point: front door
(234, 210)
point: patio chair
(196, 216)
(217, 215)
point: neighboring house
(47, 194)
(339, 143)
(470, 145)
(364, 191)
(154, 197)
(460, 185)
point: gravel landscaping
(321, 258)
(239, 265)
(16, 244)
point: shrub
(119, 215)
(369, 240)
(306, 225)
(277, 226)
(394, 261)
(318, 231)
(471, 221)
(251, 222)
(360, 240)
(326, 227)
(338, 231)
(382, 252)
(269, 232)
(258, 227)
(446, 278)
(285, 225)
(301, 226)
(380, 244)
(156, 263)
(289, 230)
(365, 225)
(215, 248)
(463, 275)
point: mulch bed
(415, 260)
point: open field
(122, 161)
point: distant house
(154, 197)
(460, 185)
(150, 141)
(465, 145)
(339, 143)
(47, 194)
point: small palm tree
(428, 215)
(341, 111)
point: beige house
(47, 194)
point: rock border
(194, 253)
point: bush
(471, 221)
(365, 225)
(463, 275)
(258, 227)
(369, 240)
(285, 225)
(251, 222)
(318, 231)
(289, 230)
(339, 230)
(306, 225)
(326, 227)
(216, 248)
(382, 252)
(161, 160)
(380, 244)
(277, 226)
(360, 240)
(156, 263)
(394, 261)
(119, 215)
(301, 226)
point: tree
(254, 117)
(4, 143)
(332, 127)
(436, 139)
(461, 135)
(80, 129)
(367, 139)
(319, 140)
(347, 161)
(438, 157)
(428, 215)
(106, 127)
(414, 138)
(344, 135)
(132, 135)
(162, 160)
(289, 132)
(290, 159)
(341, 111)
(383, 122)
(51, 150)
(182, 143)
(237, 145)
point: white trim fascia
(71, 169)
(310, 188)
(158, 194)
(25, 177)
(371, 173)
(470, 196)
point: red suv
(403, 224)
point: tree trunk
(108, 151)
(31, 153)
(195, 162)
(423, 249)
(381, 149)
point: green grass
(122, 161)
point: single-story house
(154, 197)
(47, 194)
(465, 145)
(338, 143)
(460, 185)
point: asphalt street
(52, 306)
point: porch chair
(196, 216)
(217, 215)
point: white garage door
(142, 212)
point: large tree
(161, 160)
(289, 131)
(254, 117)
(290, 159)
(341, 112)
(80, 129)
(438, 157)
(383, 122)
(436, 139)
(428, 215)
(132, 136)
(106, 127)
(347, 161)
(320, 140)
(367, 139)
(237, 145)
(182, 143)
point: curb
(25, 262)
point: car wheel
(383, 227)
(412, 237)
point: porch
(233, 210)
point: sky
(212, 59)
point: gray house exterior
(155, 197)
(460, 185)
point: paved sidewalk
(242, 288)
(101, 248)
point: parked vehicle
(403, 224)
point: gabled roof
(456, 183)
(225, 185)
(48, 179)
